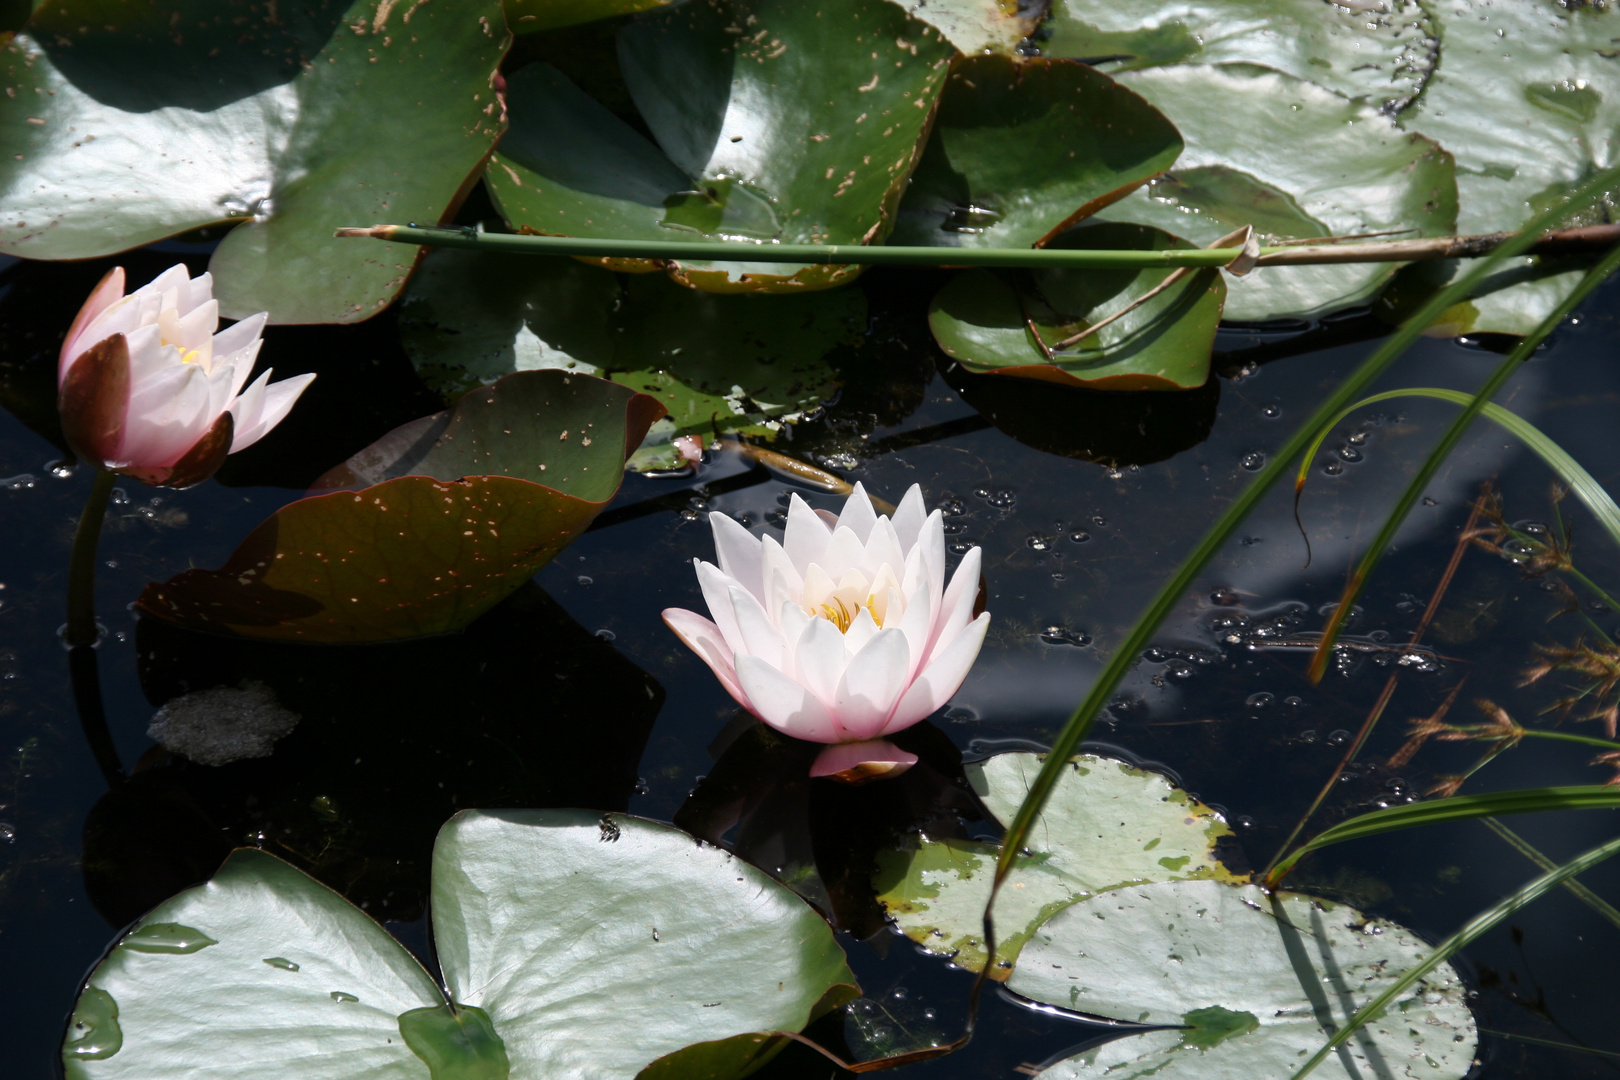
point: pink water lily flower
(842, 633)
(147, 388)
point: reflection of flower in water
(223, 724)
(842, 633)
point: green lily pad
(1526, 96)
(1259, 987)
(975, 26)
(1023, 149)
(774, 120)
(1296, 161)
(978, 319)
(729, 364)
(462, 508)
(529, 16)
(1379, 54)
(551, 926)
(1106, 825)
(127, 128)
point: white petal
(957, 606)
(781, 580)
(917, 623)
(862, 628)
(717, 588)
(941, 678)
(882, 549)
(858, 516)
(783, 703)
(739, 553)
(843, 552)
(279, 398)
(872, 684)
(239, 335)
(819, 659)
(805, 538)
(932, 543)
(791, 623)
(818, 586)
(168, 413)
(703, 638)
(755, 629)
(909, 517)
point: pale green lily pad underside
(1261, 992)
(1107, 824)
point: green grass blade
(1085, 714)
(1456, 808)
(1580, 482)
(1581, 892)
(1454, 944)
(1442, 450)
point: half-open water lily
(147, 388)
(844, 632)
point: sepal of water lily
(146, 388)
(862, 762)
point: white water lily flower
(842, 633)
(148, 389)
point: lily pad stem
(81, 590)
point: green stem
(1522, 846)
(81, 589)
(1565, 736)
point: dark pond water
(574, 693)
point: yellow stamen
(843, 616)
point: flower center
(842, 613)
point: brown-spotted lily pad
(429, 527)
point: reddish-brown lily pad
(452, 528)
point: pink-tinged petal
(862, 762)
(805, 539)
(858, 516)
(199, 290)
(872, 684)
(197, 327)
(279, 398)
(909, 517)
(107, 292)
(690, 447)
(941, 678)
(957, 607)
(148, 356)
(235, 368)
(818, 661)
(168, 414)
(717, 588)
(703, 638)
(783, 703)
(757, 632)
(739, 553)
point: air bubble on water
(1243, 821)
(1058, 575)
(1338, 737)
(119, 497)
(1002, 498)
(953, 528)
(1037, 542)
(1155, 655)
(953, 507)
(1113, 473)
(981, 493)
(1099, 521)
(960, 546)
(1180, 669)
(1430, 502)
(1253, 461)
(21, 482)
(1356, 438)
(1271, 412)
(1349, 453)
(1079, 536)
(8, 832)
(1260, 701)
(1307, 736)
(606, 634)
(958, 714)
(584, 580)
(1533, 528)
(641, 787)
(1333, 468)
(1223, 596)
(1062, 635)
(62, 470)
(899, 993)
